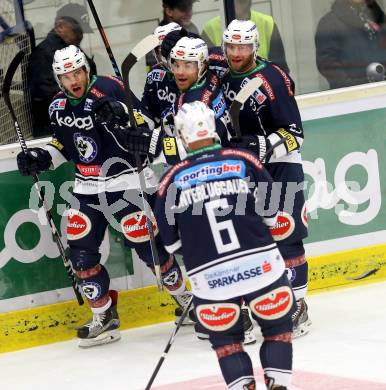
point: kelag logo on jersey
(81, 123)
(214, 170)
(86, 146)
(218, 105)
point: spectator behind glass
(178, 11)
(271, 46)
(350, 39)
(70, 23)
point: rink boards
(345, 172)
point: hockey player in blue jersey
(160, 91)
(189, 61)
(222, 195)
(90, 128)
(268, 116)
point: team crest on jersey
(91, 290)
(88, 104)
(156, 75)
(78, 225)
(218, 317)
(284, 227)
(134, 227)
(56, 105)
(87, 147)
(275, 304)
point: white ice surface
(348, 339)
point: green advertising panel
(345, 172)
(345, 167)
(28, 254)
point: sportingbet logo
(80, 123)
(211, 171)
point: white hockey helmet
(160, 32)
(193, 50)
(67, 60)
(195, 122)
(241, 32)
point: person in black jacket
(70, 24)
(350, 39)
(177, 11)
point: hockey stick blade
(242, 96)
(365, 274)
(9, 76)
(146, 45)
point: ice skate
(182, 301)
(249, 334)
(102, 329)
(300, 319)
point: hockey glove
(33, 162)
(257, 144)
(110, 112)
(142, 140)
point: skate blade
(186, 322)
(302, 329)
(108, 337)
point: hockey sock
(297, 272)
(95, 284)
(236, 366)
(172, 277)
(276, 360)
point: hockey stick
(169, 344)
(234, 111)
(143, 47)
(6, 90)
(139, 51)
(104, 38)
(251, 86)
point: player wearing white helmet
(160, 90)
(90, 126)
(189, 62)
(160, 32)
(271, 114)
(241, 37)
(231, 256)
(71, 71)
